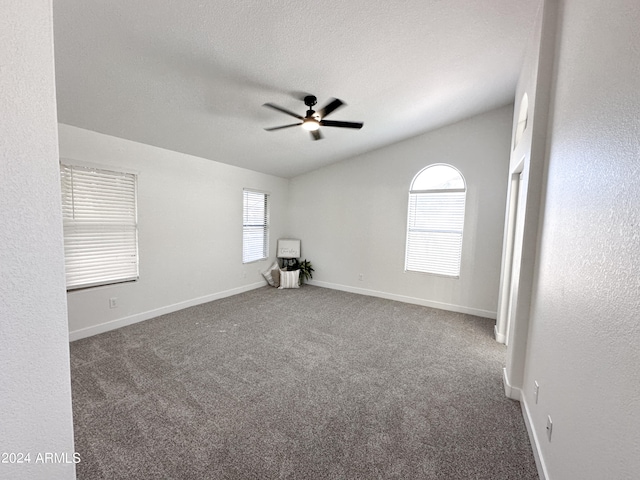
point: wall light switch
(113, 302)
(536, 390)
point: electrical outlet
(113, 302)
(361, 277)
(536, 390)
(549, 427)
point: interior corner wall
(189, 230)
(584, 331)
(35, 385)
(351, 216)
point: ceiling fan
(312, 121)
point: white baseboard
(500, 338)
(140, 317)
(516, 394)
(510, 391)
(403, 298)
(535, 442)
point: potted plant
(306, 270)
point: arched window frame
(435, 225)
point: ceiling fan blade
(283, 110)
(282, 126)
(330, 123)
(333, 105)
(316, 135)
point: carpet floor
(307, 383)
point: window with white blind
(255, 226)
(100, 226)
(435, 221)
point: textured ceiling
(192, 75)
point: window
(435, 221)
(255, 226)
(100, 228)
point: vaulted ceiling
(192, 75)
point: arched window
(435, 221)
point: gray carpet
(297, 384)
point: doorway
(511, 270)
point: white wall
(35, 390)
(584, 334)
(190, 230)
(351, 216)
(528, 157)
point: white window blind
(100, 226)
(435, 225)
(255, 226)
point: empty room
(331, 240)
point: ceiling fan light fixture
(313, 120)
(310, 124)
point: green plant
(306, 270)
